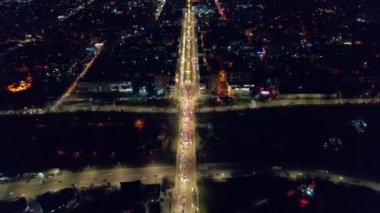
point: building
(161, 81)
(137, 196)
(222, 84)
(52, 202)
(152, 192)
(14, 206)
(105, 87)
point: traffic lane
(85, 179)
(185, 172)
(330, 175)
(33, 189)
(219, 171)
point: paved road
(152, 174)
(148, 174)
(331, 176)
(221, 171)
(220, 10)
(142, 109)
(185, 192)
(72, 87)
(289, 103)
(160, 7)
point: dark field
(76, 140)
(344, 137)
(263, 193)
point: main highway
(89, 177)
(185, 197)
(72, 108)
(94, 177)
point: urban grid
(189, 106)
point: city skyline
(189, 106)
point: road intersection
(185, 192)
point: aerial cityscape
(189, 106)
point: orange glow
(21, 85)
(222, 87)
(18, 87)
(139, 123)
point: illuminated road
(93, 107)
(185, 192)
(290, 103)
(223, 171)
(220, 10)
(160, 7)
(73, 86)
(78, 9)
(154, 174)
(97, 177)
